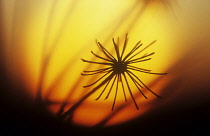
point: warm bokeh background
(42, 43)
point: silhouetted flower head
(118, 69)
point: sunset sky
(44, 41)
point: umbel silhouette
(117, 72)
(118, 69)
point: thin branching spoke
(107, 53)
(132, 50)
(124, 46)
(137, 85)
(94, 62)
(116, 49)
(118, 43)
(144, 84)
(120, 76)
(129, 60)
(148, 72)
(104, 88)
(93, 73)
(100, 57)
(98, 79)
(101, 49)
(90, 71)
(137, 68)
(133, 79)
(104, 52)
(135, 48)
(107, 96)
(115, 97)
(129, 89)
(139, 61)
(143, 49)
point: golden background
(43, 41)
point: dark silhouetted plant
(119, 68)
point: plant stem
(76, 105)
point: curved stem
(75, 106)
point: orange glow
(66, 32)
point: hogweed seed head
(119, 69)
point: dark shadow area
(18, 117)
